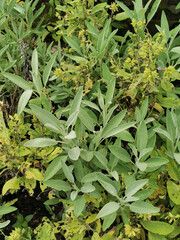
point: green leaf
(141, 136)
(76, 58)
(108, 220)
(161, 228)
(173, 170)
(45, 116)
(101, 158)
(67, 172)
(144, 194)
(4, 224)
(41, 142)
(144, 109)
(86, 155)
(120, 153)
(125, 136)
(54, 167)
(175, 50)
(71, 135)
(177, 157)
(108, 187)
(6, 209)
(91, 105)
(106, 73)
(74, 153)
(173, 192)
(110, 91)
(3, 50)
(18, 81)
(79, 205)
(74, 44)
(109, 208)
(86, 119)
(164, 133)
(153, 236)
(153, 10)
(58, 185)
(121, 16)
(91, 29)
(90, 177)
(114, 122)
(99, 7)
(143, 208)
(155, 162)
(110, 131)
(126, 9)
(75, 107)
(47, 69)
(24, 100)
(135, 187)
(73, 195)
(87, 188)
(36, 78)
(165, 25)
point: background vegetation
(89, 120)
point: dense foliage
(89, 121)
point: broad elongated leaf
(109, 208)
(143, 208)
(164, 133)
(144, 109)
(106, 73)
(75, 107)
(135, 187)
(153, 10)
(108, 187)
(114, 122)
(24, 100)
(156, 162)
(47, 69)
(90, 177)
(45, 116)
(58, 185)
(3, 50)
(108, 220)
(173, 192)
(6, 209)
(98, 7)
(35, 74)
(142, 136)
(54, 167)
(67, 172)
(110, 91)
(154, 236)
(101, 158)
(74, 44)
(120, 153)
(87, 188)
(161, 228)
(74, 153)
(18, 81)
(117, 130)
(4, 224)
(79, 205)
(41, 142)
(126, 9)
(86, 119)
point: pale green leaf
(109, 208)
(143, 208)
(18, 81)
(41, 142)
(24, 100)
